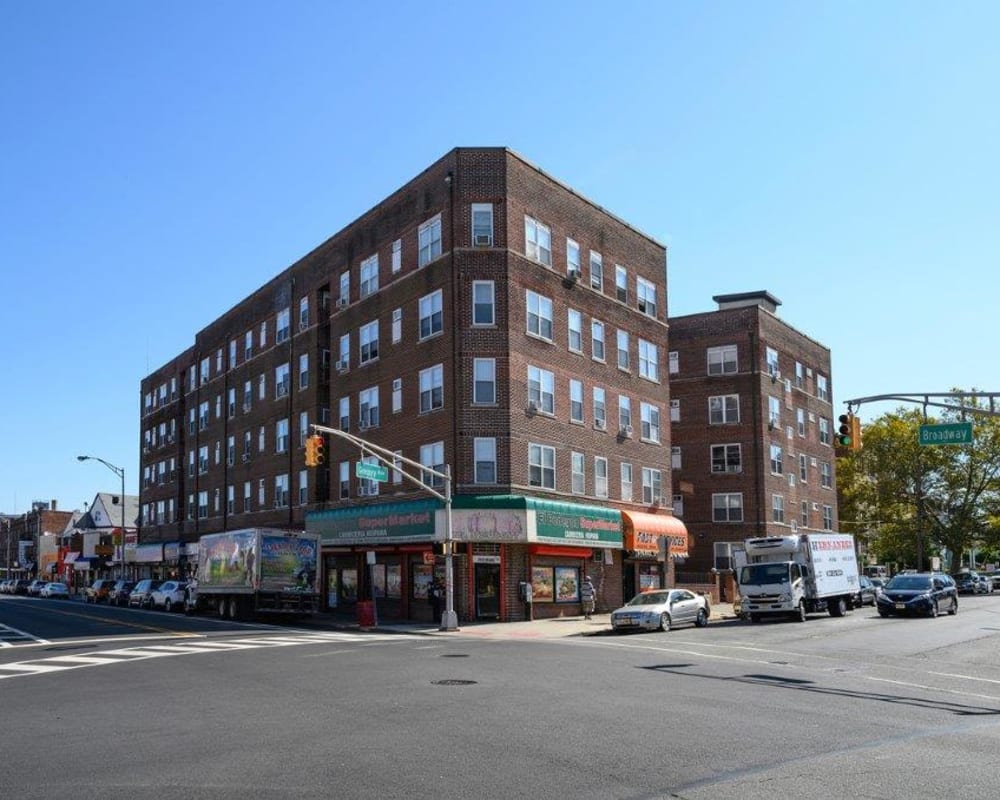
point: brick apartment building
(483, 316)
(752, 428)
(31, 540)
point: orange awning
(642, 533)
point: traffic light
(849, 432)
(855, 432)
(315, 447)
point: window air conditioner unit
(364, 491)
(246, 457)
(794, 525)
(815, 506)
(573, 275)
(532, 407)
(342, 301)
(246, 408)
(734, 468)
(626, 431)
(600, 424)
(483, 240)
(341, 366)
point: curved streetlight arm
(120, 472)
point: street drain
(453, 682)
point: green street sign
(372, 472)
(950, 433)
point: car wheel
(882, 613)
(702, 619)
(666, 623)
(166, 606)
(934, 609)
(953, 609)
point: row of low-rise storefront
(502, 545)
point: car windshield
(764, 573)
(649, 599)
(909, 582)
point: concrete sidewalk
(557, 628)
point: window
(247, 444)
(648, 361)
(369, 276)
(776, 460)
(261, 439)
(623, 362)
(397, 466)
(231, 403)
(824, 430)
(773, 412)
(368, 342)
(304, 371)
(804, 513)
(432, 456)
(483, 308)
(218, 406)
(281, 436)
(344, 480)
(825, 475)
(262, 387)
(727, 507)
(652, 485)
(281, 491)
(724, 409)
(822, 391)
(541, 390)
(649, 416)
(646, 297)
(397, 255)
(230, 451)
(230, 499)
(621, 283)
(624, 414)
(578, 475)
(431, 315)
(828, 518)
(429, 241)
(397, 395)
(203, 505)
(800, 421)
(203, 415)
(539, 311)
(596, 271)
(799, 375)
(726, 458)
(303, 313)
(263, 334)
(368, 408)
(203, 459)
(283, 326)
(232, 354)
(248, 346)
(803, 467)
(675, 410)
(484, 381)
(771, 358)
(282, 381)
(303, 487)
(597, 340)
(431, 388)
(218, 361)
(482, 224)
(344, 353)
(572, 258)
(541, 466)
(675, 458)
(575, 323)
(397, 325)
(485, 455)
(600, 409)
(537, 241)
(722, 360)
(626, 479)
(777, 508)
(575, 400)
(344, 413)
(345, 288)
(303, 427)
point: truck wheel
(234, 609)
(837, 607)
(220, 606)
(802, 611)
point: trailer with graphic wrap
(245, 572)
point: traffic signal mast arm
(939, 401)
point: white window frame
(484, 455)
(432, 388)
(431, 315)
(724, 409)
(537, 241)
(484, 381)
(538, 313)
(541, 465)
(541, 389)
(429, 241)
(483, 303)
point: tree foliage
(900, 496)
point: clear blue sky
(160, 161)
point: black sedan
(918, 594)
(867, 593)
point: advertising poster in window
(331, 588)
(541, 584)
(394, 581)
(422, 576)
(649, 577)
(567, 584)
(349, 585)
(378, 580)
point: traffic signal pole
(449, 620)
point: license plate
(625, 621)
(900, 605)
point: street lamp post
(120, 472)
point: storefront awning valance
(642, 533)
(562, 552)
(548, 521)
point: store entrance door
(487, 591)
(628, 581)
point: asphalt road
(142, 704)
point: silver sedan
(662, 609)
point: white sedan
(662, 609)
(54, 590)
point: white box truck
(797, 575)
(252, 570)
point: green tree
(905, 499)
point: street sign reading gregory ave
(951, 433)
(372, 472)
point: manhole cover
(454, 655)
(453, 682)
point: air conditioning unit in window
(364, 491)
(532, 407)
(794, 525)
(246, 408)
(600, 424)
(341, 366)
(626, 432)
(815, 506)
(734, 468)
(245, 458)
(342, 301)
(573, 275)
(483, 240)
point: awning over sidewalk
(642, 533)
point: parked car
(118, 594)
(141, 593)
(866, 592)
(972, 582)
(35, 587)
(922, 593)
(169, 596)
(20, 586)
(5, 586)
(662, 609)
(98, 591)
(879, 583)
(55, 589)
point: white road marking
(8, 635)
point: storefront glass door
(487, 591)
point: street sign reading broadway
(951, 433)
